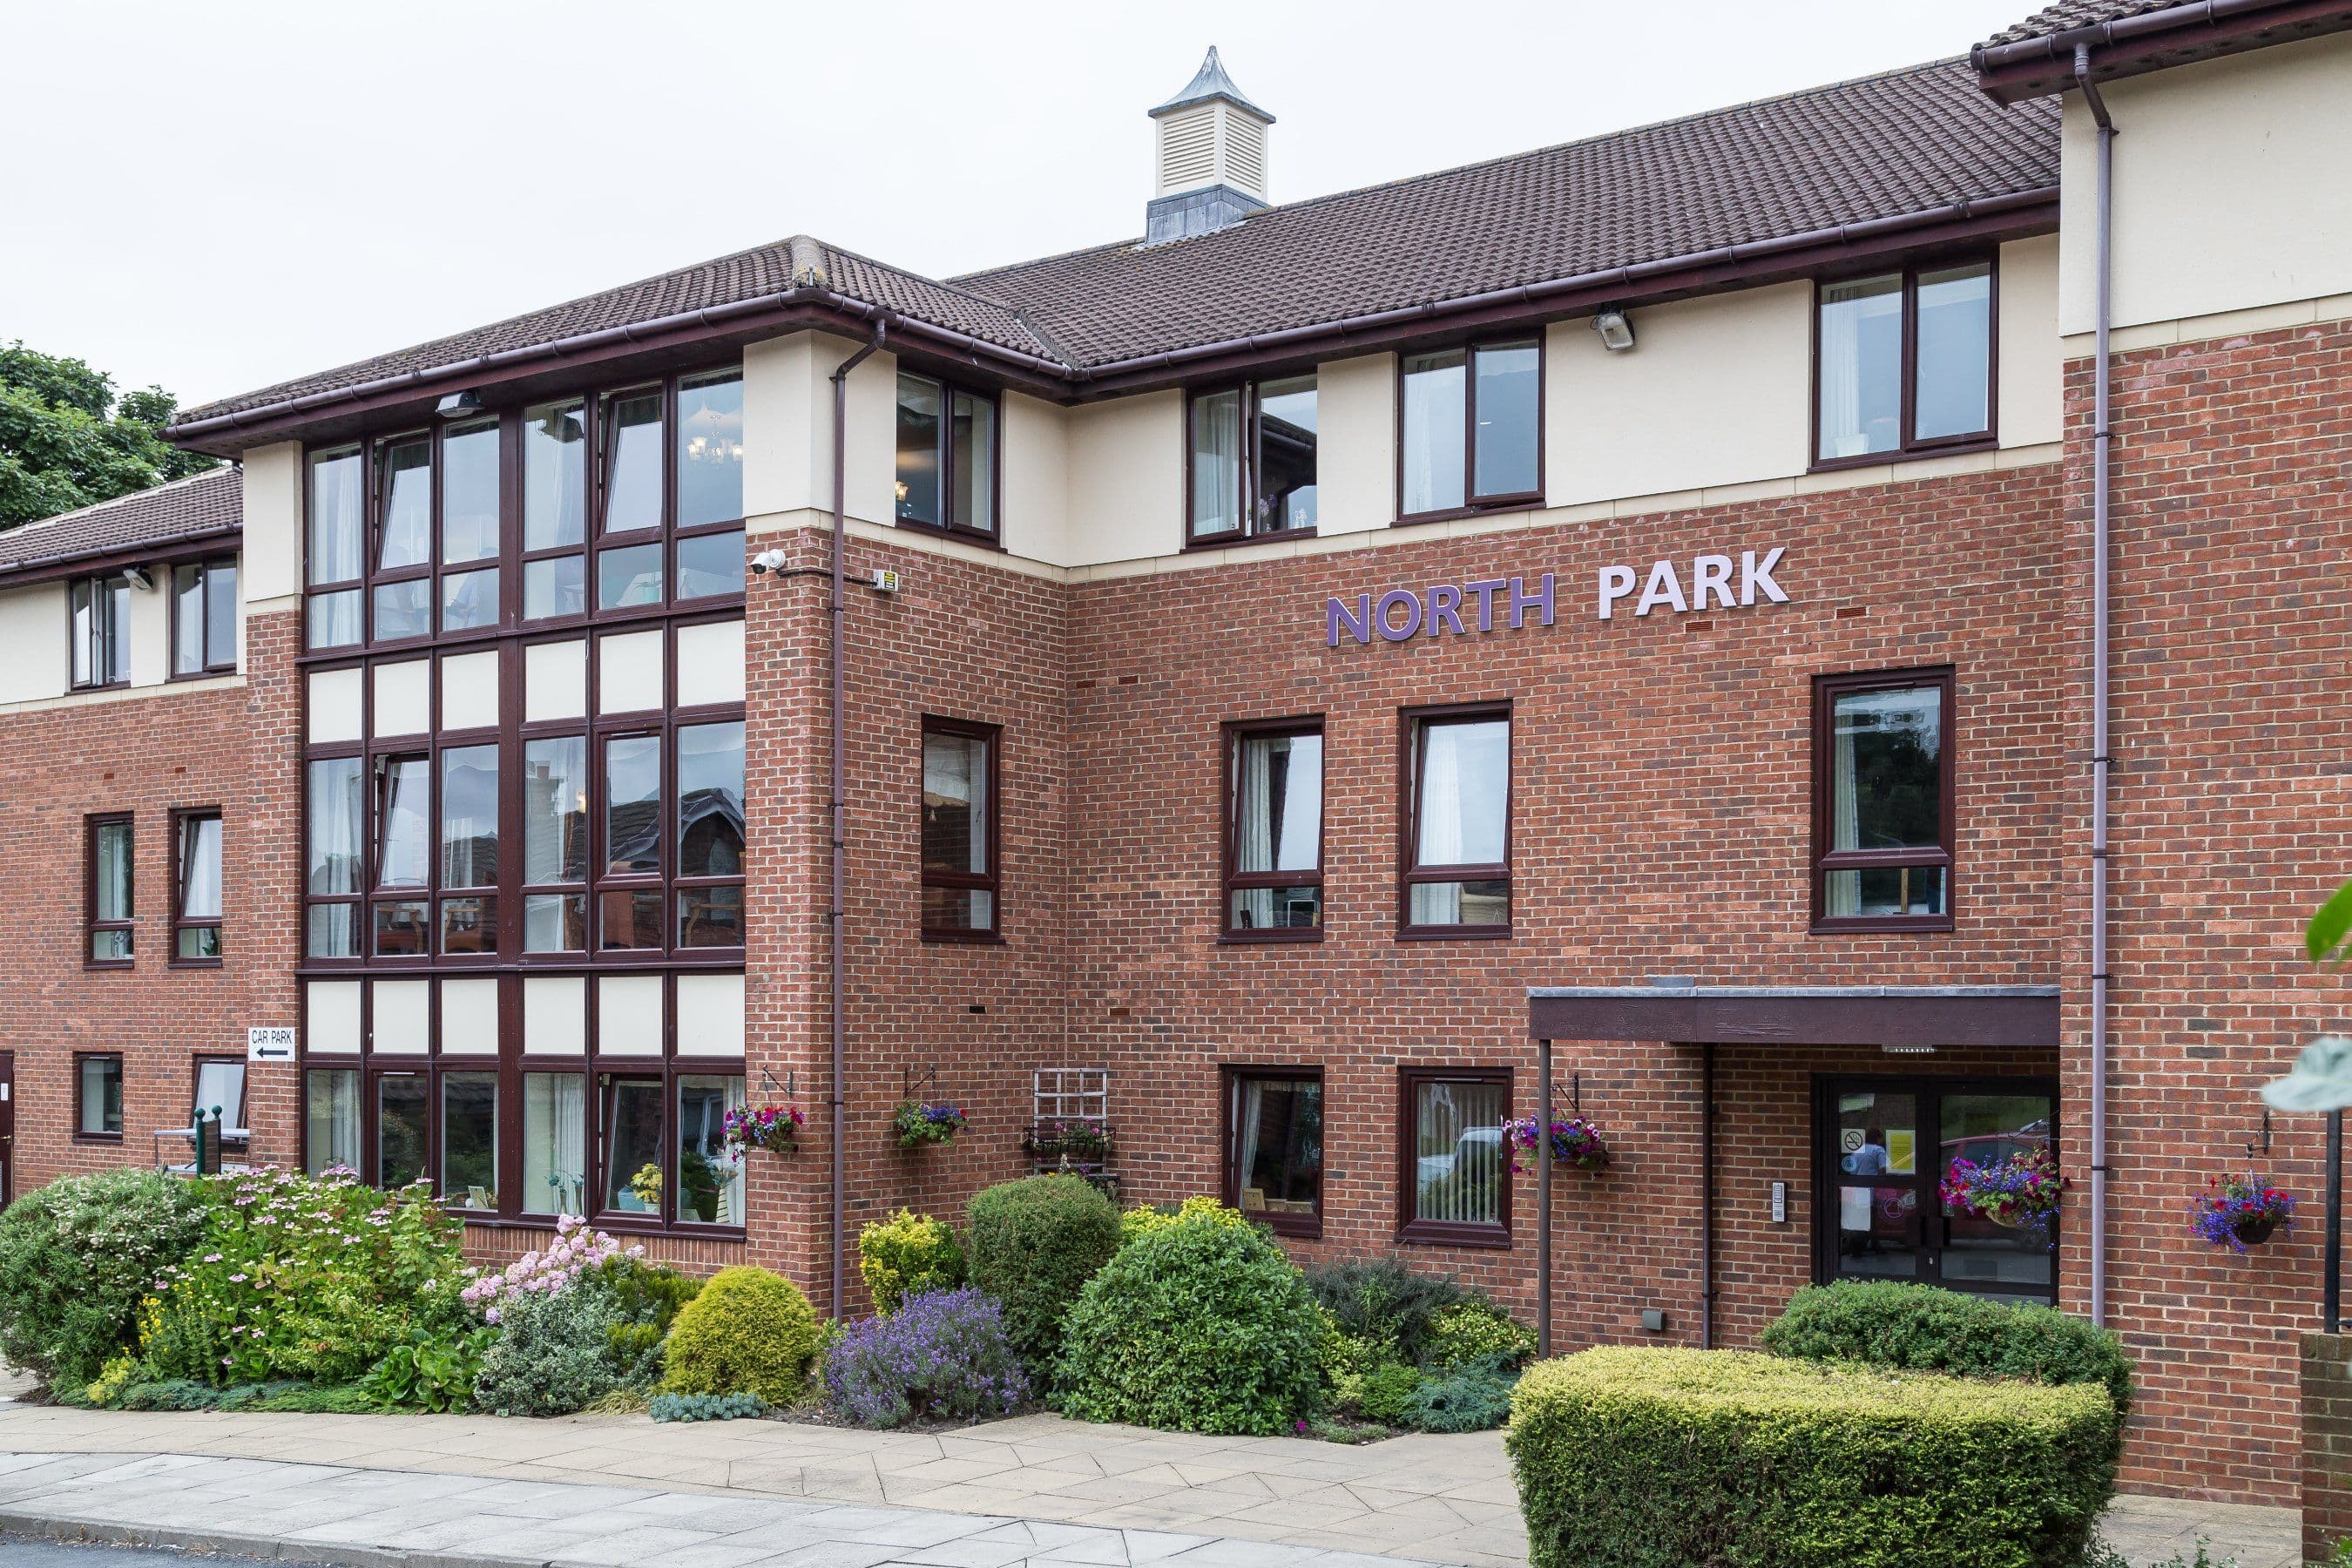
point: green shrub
(647, 1298)
(1474, 1399)
(1474, 1331)
(705, 1407)
(1033, 1245)
(1928, 1330)
(747, 1332)
(1383, 1392)
(181, 1393)
(1384, 1303)
(1197, 1327)
(295, 1277)
(1145, 1218)
(76, 1259)
(553, 1354)
(430, 1370)
(906, 1254)
(1662, 1457)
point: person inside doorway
(1855, 1230)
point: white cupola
(1209, 158)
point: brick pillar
(2326, 1444)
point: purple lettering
(1446, 606)
(1486, 592)
(1337, 619)
(1389, 629)
(1523, 601)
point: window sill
(1865, 924)
(966, 938)
(1454, 934)
(105, 965)
(1431, 1233)
(193, 962)
(183, 676)
(1297, 1227)
(102, 1137)
(1243, 541)
(1269, 936)
(971, 536)
(1531, 501)
(1985, 443)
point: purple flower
(943, 1353)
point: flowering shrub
(2237, 1212)
(1574, 1141)
(575, 1250)
(942, 1353)
(906, 1254)
(918, 1124)
(2021, 1192)
(775, 1127)
(77, 1257)
(301, 1276)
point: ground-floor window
(98, 1091)
(1454, 1175)
(1273, 1146)
(1883, 1147)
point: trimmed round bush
(1917, 1326)
(1033, 1243)
(748, 1331)
(76, 1259)
(943, 1353)
(906, 1254)
(1197, 1327)
(1664, 1457)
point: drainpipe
(839, 825)
(2101, 762)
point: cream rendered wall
(1126, 479)
(150, 629)
(273, 523)
(1355, 456)
(1036, 484)
(33, 643)
(788, 427)
(2233, 186)
(1714, 391)
(2031, 407)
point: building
(1639, 592)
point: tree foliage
(68, 440)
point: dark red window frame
(127, 925)
(1411, 724)
(218, 925)
(1827, 689)
(1231, 1080)
(950, 523)
(992, 880)
(1473, 502)
(1445, 1233)
(110, 633)
(204, 571)
(1907, 446)
(1246, 472)
(1236, 735)
(122, 1105)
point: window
(100, 633)
(1470, 428)
(1457, 826)
(1274, 831)
(947, 458)
(1904, 363)
(220, 1088)
(1883, 801)
(1273, 1146)
(109, 892)
(960, 797)
(1455, 1173)
(331, 1120)
(1253, 461)
(469, 1141)
(196, 887)
(97, 1095)
(203, 617)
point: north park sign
(1464, 609)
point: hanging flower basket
(918, 1124)
(2242, 1212)
(1079, 1138)
(775, 1127)
(2021, 1192)
(1574, 1141)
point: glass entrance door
(1883, 1147)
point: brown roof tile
(206, 503)
(2068, 15)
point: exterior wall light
(1616, 332)
(458, 404)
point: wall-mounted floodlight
(458, 404)
(1616, 330)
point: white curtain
(554, 1141)
(1861, 322)
(1216, 464)
(1464, 786)
(333, 1114)
(1253, 1096)
(1843, 894)
(200, 869)
(335, 519)
(1435, 410)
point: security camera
(768, 560)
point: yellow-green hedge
(1685, 1458)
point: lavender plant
(943, 1353)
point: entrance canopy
(1686, 1013)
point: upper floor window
(960, 879)
(203, 617)
(1457, 826)
(1253, 461)
(1883, 801)
(1905, 362)
(1470, 427)
(109, 890)
(101, 632)
(629, 499)
(947, 458)
(1274, 831)
(196, 887)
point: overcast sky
(214, 196)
